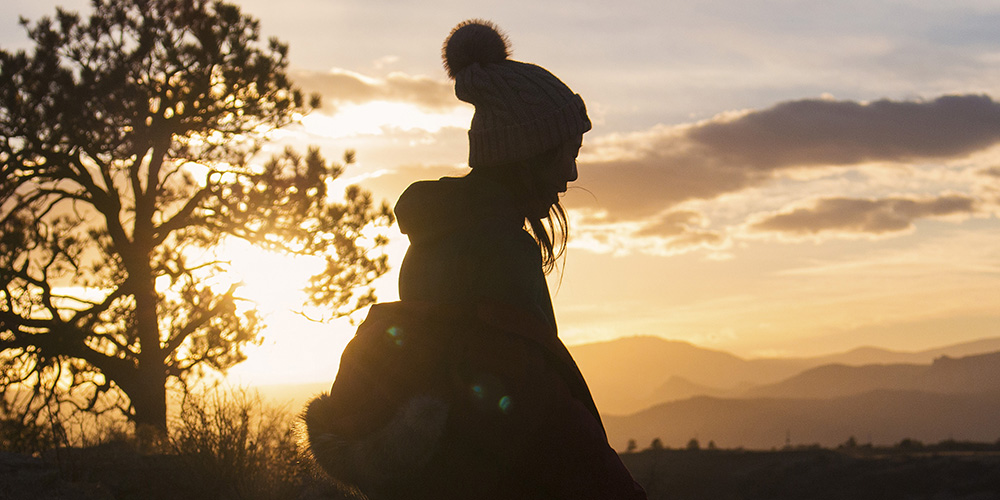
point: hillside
(970, 374)
(677, 388)
(949, 398)
(831, 381)
(676, 391)
(764, 423)
(631, 374)
(868, 355)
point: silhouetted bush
(235, 446)
(223, 445)
(27, 437)
(850, 444)
(632, 446)
(910, 444)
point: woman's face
(556, 178)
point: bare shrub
(236, 446)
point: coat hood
(431, 209)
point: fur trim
(389, 456)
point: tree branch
(180, 219)
(192, 326)
(60, 338)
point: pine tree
(129, 148)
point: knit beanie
(522, 110)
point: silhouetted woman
(462, 389)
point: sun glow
(271, 280)
(378, 117)
(293, 348)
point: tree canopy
(129, 149)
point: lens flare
(505, 405)
(395, 335)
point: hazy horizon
(648, 389)
(974, 347)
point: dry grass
(222, 445)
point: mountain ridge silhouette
(880, 416)
(634, 373)
(649, 387)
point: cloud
(673, 233)
(856, 216)
(655, 171)
(827, 132)
(683, 230)
(645, 173)
(345, 87)
(673, 223)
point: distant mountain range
(649, 387)
(945, 375)
(881, 417)
(631, 374)
(680, 391)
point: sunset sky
(778, 177)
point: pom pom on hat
(522, 110)
(474, 41)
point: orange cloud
(340, 87)
(855, 216)
(645, 173)
(672, 233)
(654, 184)
(674, 223)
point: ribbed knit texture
(522, 110)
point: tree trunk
(149, 401)
(148, 395)
(149, 398)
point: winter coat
(467, 245)
(463, 389)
